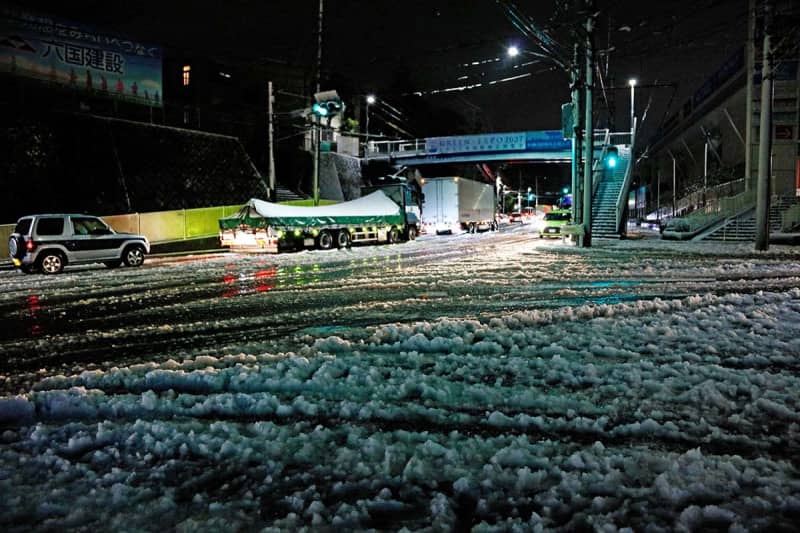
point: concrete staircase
(604, 202)
(285, 195)
(743, 227)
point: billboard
(56, 51)
(528, 141)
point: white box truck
(453, 205)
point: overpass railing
(417, 147)
(408, 147)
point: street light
(513, 51)
(632, 83)
(370, 101)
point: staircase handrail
(619, 209)
(714, 213)
(790, 218)
(606, 134)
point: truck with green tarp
(387, 214)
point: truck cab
(408, 197)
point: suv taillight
(30, 245)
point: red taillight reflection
(29, 244)
(260, 281)
(33, 303)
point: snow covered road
(485, 381)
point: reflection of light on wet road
(33, 306)
(240, 284)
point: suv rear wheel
(51, 262)
(133, 256)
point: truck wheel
(494, 225)
(472, 227)
(343, 239)
(394, 236)
(412, 233)
(324, 240)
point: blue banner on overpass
(529, 141)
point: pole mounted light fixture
(513, 51)
(632, 83)
(370, 100)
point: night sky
(391, 48)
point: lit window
(187, 71)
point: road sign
(567, 120)
(784, 133)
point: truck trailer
(384, 215)
(454, 205)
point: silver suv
(50, 242)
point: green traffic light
(612, 157)
(320, 110)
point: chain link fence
(70, 162)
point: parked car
(551, 228)
(48, 243)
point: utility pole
(750, 50)
(674, 186)
(576, 135)
(658, 197)
(765, 138)
(586, 240)
(317, 136)
(705, 167)
(270, 133)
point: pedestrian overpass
(609, 185)
(545, 146)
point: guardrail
(158, 227)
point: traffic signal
(328, 108)
(612, 157)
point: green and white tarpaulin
(374, 209)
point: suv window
(23, 226)
(50, 226)
(89, 226)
